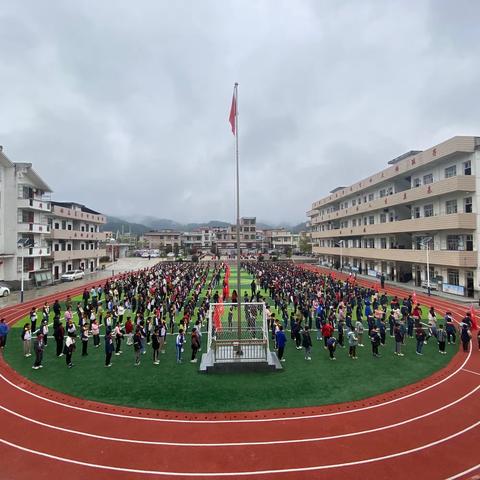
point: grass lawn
(181, 387)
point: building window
(453, 277)
(371, 243)
(56, 247)
(69, 247)
(427, 179)
(468, 207)
(57, 226)
(453, 242)
(365, 220)
(82, 246)
(383, 218)
(354, 202)
(383, 243)
(451, 206)
(451, 171)
(354, 222)
(467, 167)
(428, 210)
(69, 226)
(416, 212)
(416, 182)
(371, 220)
(382, 193)
(370, 197)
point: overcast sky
(123, 105)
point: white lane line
(249, 420)
(245, 473)
(240, 444)
(471, 371)
(465, 472)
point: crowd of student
(155, 297)
(342, 312)
(347, 314)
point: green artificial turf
(182, 387)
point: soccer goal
(231, 341)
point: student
(327, 331)
(108, 348)
(118, 334)
(44, 331)
(129, 331)
(306, 342)
(375, 340)
(450, 328)
(137, 345)
(332, 345)
(27, 340)
(69, 349)
(180, 340)
(59, 335)
(340, 329)
(397, 332)
(465, 336)
(3, 333)
(195, 344)
(280, 340)
(163, 336)
(359, 331)
(155, 346)
(95, 334)
(38, 347)
(442, 339)
(420, 336)
(352, 344)
(297, 327)
(33, 320)
(84, 338)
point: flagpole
(237, 169)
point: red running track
(430, 429)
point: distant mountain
(299, 228)
(139, 225)
(115, 225)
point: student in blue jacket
(281, 340)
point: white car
(72, 275)
(4, 291)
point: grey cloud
(124, 106)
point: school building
(414, 221)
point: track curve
(393, 435)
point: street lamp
(23, 243)
(112, 246)
(341, 243)
(425, 243)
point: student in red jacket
(327, 331)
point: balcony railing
(42, 251)
(78, 235)
(436, 257)
(34, 204)
(33, 227)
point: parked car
(4, 291)
(72, 275)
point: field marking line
(471, 371)
(245, 473)
(461, 474)
(249, 420)
(241, 444)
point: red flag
(233, 114)
(414, 298)
(217, 314)
(473, 318)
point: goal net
(231, 340)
